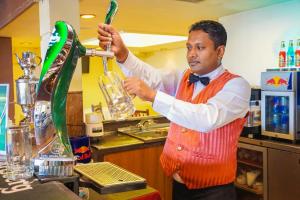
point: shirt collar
(215, 73)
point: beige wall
(253, 40)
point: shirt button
(179, 148)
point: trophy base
(72, 182)
(53, 160)
(54, 166)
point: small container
(81, 149)
(251, 177)
(241, 179)
(258, 186)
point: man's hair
(215, 30)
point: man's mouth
(194, 63)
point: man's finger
(103, 38)
(106, 28)
(103, 45)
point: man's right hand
(106, 35)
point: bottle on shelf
(291, 55)
(282, 55)
(297, 54)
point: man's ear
(220, 51)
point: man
(206, 105)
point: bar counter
(142, 158)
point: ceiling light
(87, 16)
(191, 1)
(141, 40)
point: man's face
(202, 55)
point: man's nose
(192, 53)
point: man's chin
(196, 70)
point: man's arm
(230, 103)
(163, 80)
(166, 81)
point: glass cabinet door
(277, 114)
(251, 178)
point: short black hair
(215, 30)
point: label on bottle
(297, 58)
(290, 60)
(282, 59)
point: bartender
(205, 103)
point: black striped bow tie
(204, 80)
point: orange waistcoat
(202, 159)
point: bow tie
(204, 80)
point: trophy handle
(19, 60)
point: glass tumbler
(18, 152)
(119, 102)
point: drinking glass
(18, 152)
(119, 102)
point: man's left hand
(136, 86)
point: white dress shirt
(230, 103)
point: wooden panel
(10, 9)
(6, 70)
(145, 162)
(74, 108)
(283, 175)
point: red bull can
(81, 148)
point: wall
(254, 38)
(7, 70)
(174, 58)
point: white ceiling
(142, 16)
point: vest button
(179, 148)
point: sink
(147, 135)
(116, 140)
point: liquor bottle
(291, 55)
(282, 55)
(297, 54)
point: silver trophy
(26, 85)
(26, 95)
